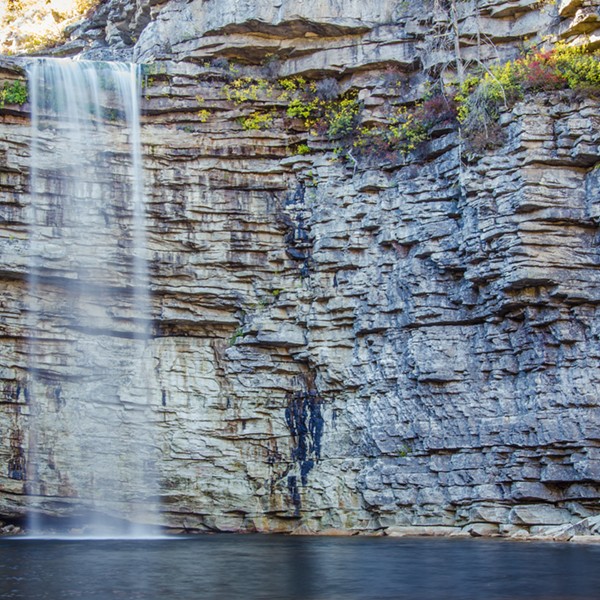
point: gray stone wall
(406, 346)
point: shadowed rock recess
(408, 345)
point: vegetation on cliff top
(481, 98)
(474, 106)
(32, 25)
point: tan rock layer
(339, 347)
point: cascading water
(92, 449)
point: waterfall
(92, 444)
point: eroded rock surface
(409, 345)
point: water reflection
(230, 567)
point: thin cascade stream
(92, 444)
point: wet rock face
(338, 346)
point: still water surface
(253, 567)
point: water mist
(92, 448)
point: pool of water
(252, 567)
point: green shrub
(480, 99)
(247, 89)
(310, 110)
(316, 104)
(342, 116)
(258, 120)
(301, 149)
(408, 127)
(578, 66)
(13, 93)
(203, 115)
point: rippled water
(232, 567)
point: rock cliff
(406, 345)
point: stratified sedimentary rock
(407, 344)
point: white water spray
(91, 449)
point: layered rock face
(406, 345)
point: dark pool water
(232, 567)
